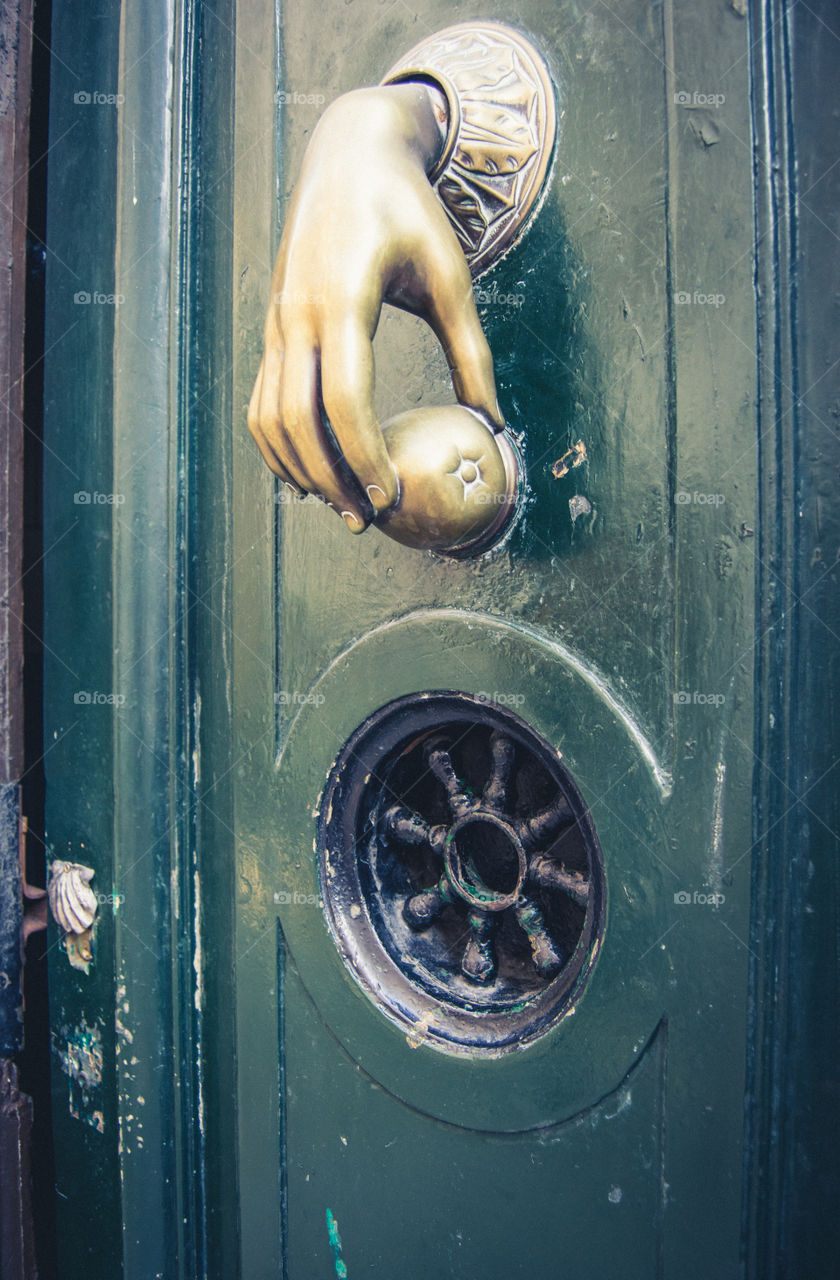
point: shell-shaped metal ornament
(72, 901)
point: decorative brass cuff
(501, 130)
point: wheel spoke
(547, 959)
(440, 763)
(545, 872)
(535, 832)
(424, 908)
(502, 751)
(460, 884)
(403, 824)
(479, 961)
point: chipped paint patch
(573, 457)
(420, 1031)
(624, 1102)
(79, 949)
(579, 506)
(130, 1124)
(335, 1245)
(81, 1062)
(198, 967)
(122, 1031)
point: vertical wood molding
(792, 1177)
(15, 70)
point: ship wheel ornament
(491, 860)
(461, 875)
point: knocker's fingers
(274, 464)
(347, 381)
(310, 439)
(270, 456)
(454, 318)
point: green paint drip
(335, 1245)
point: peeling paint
(715, 869)
(81, 1062)
(703, 126)
(624, 1102)
(335, 1245)
(123, 1031)
(579, 506)
(573, 457)
(198, 995)
(197, 963)
(420, 1031)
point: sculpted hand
(364, 226)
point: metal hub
(460, 871)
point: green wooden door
(616, 622)
(238, 1101)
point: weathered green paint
(246, 1082)
(129, 390)
(335, 1245)
(597, 623)
(78, 649)
(793, 1178)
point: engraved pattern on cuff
(502, 125)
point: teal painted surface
(792, 1179)
(650, 594)
(131, 384)
(78, 605)
(452, 1201)
(335, 1245)
(271, 1092)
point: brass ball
(458, 481)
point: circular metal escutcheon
(460, 871)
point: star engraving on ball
(468, 471)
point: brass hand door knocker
(406, 192)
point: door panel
(623, 637)
(467, 1202)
